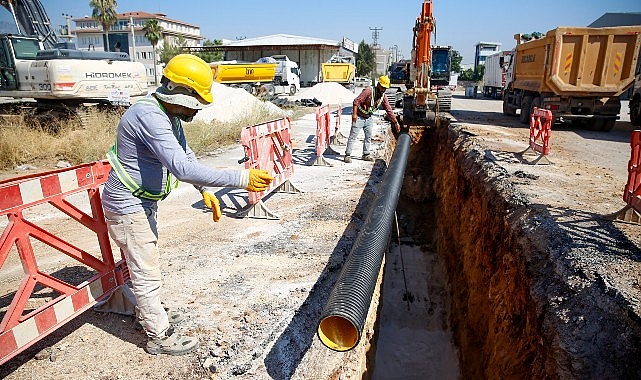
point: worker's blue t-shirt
(147, 144)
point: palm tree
(153, 32)
(104, 11)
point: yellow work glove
(255, 179)
(212, 202)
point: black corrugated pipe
(341, 323)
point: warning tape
(18, 330)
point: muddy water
(414, 340)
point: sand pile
(233, 104)
(328, 93)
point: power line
(375, 35)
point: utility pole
(395, 48)
(375, 35)
(133, 39)
(68, 22)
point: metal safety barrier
(24, 323)
(323, 136)
(268, 146)
(540, 131)
(338, 138)
(631, 212)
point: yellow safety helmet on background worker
(186, 74)
(384, 81)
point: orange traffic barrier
(323, 136)
(268, 146)
(631, 212)
(540, 131)
(25, 322)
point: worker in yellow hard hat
(150, 151)
(363, 107)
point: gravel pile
(327, 93)
(232, 104)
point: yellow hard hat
(191, 71)
(384, 81)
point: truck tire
(507, 108)
(292, 89)
(635, 111)
(526, 108)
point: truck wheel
(526, 107)
(507, 108)
(635, 111)
(292, 89)
(536, 103)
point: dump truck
(339, 69)
(495, 74)
(577, 73)
(270, 76)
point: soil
(254, 288)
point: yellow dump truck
(577, 73)
(340, 70)
(272, 76)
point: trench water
(467, 293)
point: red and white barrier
(540, 131)
(323, 136)
(268, 146)
(18, 331)
(631, 212)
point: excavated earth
(498, 268)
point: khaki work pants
(137, 236)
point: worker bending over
(364, 106)
(149, 157)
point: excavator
(43, 78)
(426, 94)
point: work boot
(172, 344)
(368, 157)
(175, 317)
(347, 158)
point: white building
(483, 50)
(90, 36)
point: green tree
(153, 32)
(456, 61)
(104, 11)
(211, 56)
(169, 50)
(365, 60)
(479, 72)
(466, 75)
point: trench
(474, 284)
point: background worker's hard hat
(384, 81)
(191, 71)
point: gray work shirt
(148, 142)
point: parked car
(363, 82)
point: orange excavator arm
(422, 43)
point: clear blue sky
(460, 24)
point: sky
(459, 23)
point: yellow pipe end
(338, 333)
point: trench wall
(514, 311)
